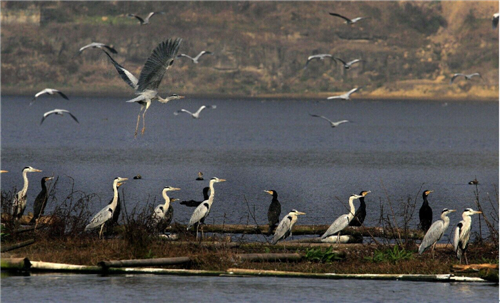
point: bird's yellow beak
(3, 171)
(366, 192)
(478, 212)
(175, 188)
(37, 170)
(452, 210)
(173, 199)
(429, 191)
(300, 213)
(268, 191)
(222, 180)
(181, 97)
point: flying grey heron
(160, 213)
(467, 76)
(347, 20)
(106, 214)
(345, 96)
(319, 57)
(194, 203)
(343, 221)
(347, 65)
(360, 214)
(332, 124)
(462, 234)
(200, 176)
(425, 212)
(98, 45)
(145, 20)
(494, 21)
(274, 211)
(49, 91)
(41, 200)
(59, 112)
(195, 59)
(202, 210)
(196, 114)
(435, 232)
(19, 202)
(284, 229)
(146, 87)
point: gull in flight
(319, 57)
(347, 20)
(348, 64)
(59, 112)
(98, 45)
(195, 115)
(145, 20)
(494, 21)
(333, 124)
(49, 91)
(195, 59)
(467, 77)
(345, 96)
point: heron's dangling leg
(143, 117)
(137, 125)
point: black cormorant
(41, 200)
(425, 213)
(274, 211)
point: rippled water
(396, 149)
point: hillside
(410, 49)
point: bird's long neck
(467, 220)
(212, 193)
(114, 203)
(426, 203)
(353, 209)
(167, 200)
(44, 186)
(362, 202)
(160, 99)
(446, 220)
(25, 186)
(275, 196)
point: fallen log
(145, 262)
(17, 245)
(20, 264)
(473, 267)
(60, 267)
(25, 220)
(268, 257)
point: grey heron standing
(284, 229)
(146, 87)
(319, 57)
(203, 210)
(462, 234)
(98, 45)
(160, 218)
(145, 21)
(332, 123)
(19, 202)
(49, 91)
(345, 96)
(41, 200)
(343, 221)
(274, 211)
(195, 59)
(435, 232)
(196, 114)
(59, 112)
(106, 214)
(425, 212)
(347, 20)
(466, 76)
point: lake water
(396, 149)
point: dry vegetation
(260, 48)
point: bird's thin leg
(137, 125)
(432, 249)
(144, 120)
(100, 232)
(465, 257)
(36, 223)
(197, 226)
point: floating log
(268, 257)
(25, 220)
(404, 277)
(145, 262)
(473, 267)
(163, 271)
(18, 245)
(20, 264)
(60, 267)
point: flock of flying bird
(146, 89)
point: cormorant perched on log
(41, 200)
(425, 212)
(193, 203)
(274, 211)
(359, 216)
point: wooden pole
(60, 267)
(473, 267)
(145, 262)
(268, 257)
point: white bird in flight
(59, 112)
(333, 124)
(145, 20)
(98, 45)
(345, 96)
(319, 57)
(494, 21)
(195, 59)
(348, 64)
(49, 91)
(195, 115)
(467, 77)
(347, 20)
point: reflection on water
(149, 288)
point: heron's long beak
(300, 213)
(174, 199)
(222, 180)
(452, 210)
(478, 212)
(182, 97)
(175, 188)
(3, 171)
(37, 170)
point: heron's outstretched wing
(283, 229)
(183, 111)
(137, 17)
(340, 122)
(322, 117)
(100, 218)
(334, 97)
(157, 64)
(353, 91)
(353, 61)
(111, 49)
(357, 19)
(475, 74)
(199, 213)
(454, 76)
(137, 99)
(338, 15)
(343, 62)
(127, 76)
(202, 53)
(337, 225)
(433, 234)
(72, 116)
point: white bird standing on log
(106, 214)
(19, 202)
(196, 114)
(203, 210)
(462, 234)
(145, 21)
(435, 232)
(284, 229)
(160, 212)
(195, 59)
(343, 221)
(98, 45)
(345, 96)
(49, 91)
